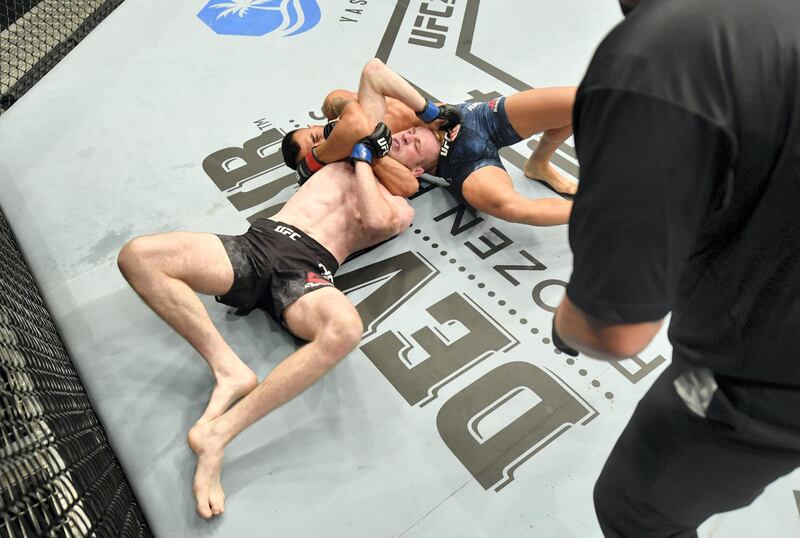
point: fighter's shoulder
(329, 173)
(339, 168)
(336, 101)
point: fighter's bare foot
(547, 172)
(229, 387)
(207, 487)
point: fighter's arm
(496, 197)
(398, 116)
(358, 112)
(601, 339)
(397, 179)
(385, 95)
(353, 125)
(378, 83)
(382, 214)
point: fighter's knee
(349, 331)
(132, 256)
(341, 336)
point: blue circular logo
(260, 17)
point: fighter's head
(296, 144)
(416, 148)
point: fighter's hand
(560, 344)
(443, 117)
(361, 152)
(380, 141)
(453, 133)
(328, 129)
(303, 173)
(307, 167)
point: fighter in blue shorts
(471, 164)
(469, 157)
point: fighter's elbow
(387, 225)
(372, 68)
(401, 221)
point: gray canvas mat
(455, 416)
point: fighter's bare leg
(166, 270)
(491, 190)
(538, 165)
(333, 328)
(547, 111)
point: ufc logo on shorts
(325, 273)
(287, 231)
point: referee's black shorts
(671, 468)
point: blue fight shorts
(484, 130)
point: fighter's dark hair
(290, 149)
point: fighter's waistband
(289, 231)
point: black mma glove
(328, 129)
(380, 141)
(307, 167)
(449, 115)
(559, 343)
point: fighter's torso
(326, 208)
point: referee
(687, 126)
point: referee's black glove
(559, 343)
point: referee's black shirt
(687, 127)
